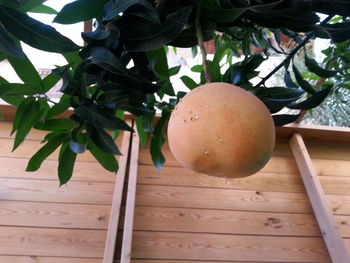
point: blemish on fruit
(220, 140)
(205, 151)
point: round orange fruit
(222, 130)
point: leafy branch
(292, 53)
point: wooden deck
(40, 222)
(175, 216)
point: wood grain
(115, 210)
(227, 199)
(315, 132)
(185, 177)
(195, 261)
(27, 241)
(126, 250)
(188, 246)
(36, 259)
(339, 204)
(38, 135)
(28, 148)
(83, 171)
(49, 191)
(331, 167)
(34, 214)
(281, 150)
(225, 222)
(330, 151)
(336, 247)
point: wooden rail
(329, 230)
(117, 200)
(130, 202)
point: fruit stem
(199, 35)
(291, 54)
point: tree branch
(291, 54)
(199, 35)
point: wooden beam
(328, 227)
(130, 201)
(117, 200)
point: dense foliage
(123, 66)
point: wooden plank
(195, 261)
(179, 176)
(315, 132)
(271, 182)
(225, 222)
(277, 164)
(227, 199)
(331, 167)
(343, 224)
(130, 201)
(281, 149)
(83, 171)
(38, 135)
(329, 151)
(28, 148)
(333, 240)
(112, 233)
(188, 246)
(49, 191)
(339, 204)
(34, 214)
(27, 241)
(36, 259)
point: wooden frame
(329, 230)
(117, 200)
(294, 133)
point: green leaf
(102, 140)
(190, 83)
(20, 89)
(44, 9)
(25, 70)
(283, 119)
(28, 117)
(66, 161)
(142, 134)
(313, 66)
(60, 107)
(80, 10)
(34, 33)
(73, 59)
(288, 80)
(107, 161)
(100, 118)
(279, 92)
(302, 83)
(20, 111)
(223, 15)
(8, 46)
(140, 8)
(54, 125)
(106, 60)
(149, 36)
(120, 115)
(158, 140)
(312, 102)
(98, 34)
(275, 105)
(50, 81)
(52, 144)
